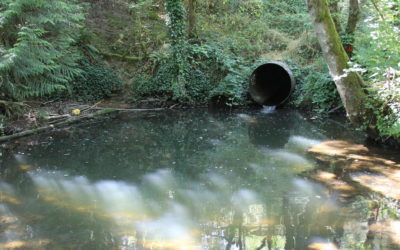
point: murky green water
(187, 180)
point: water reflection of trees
(353, 170)
(139, 144)
(233, 176)
(187, 179)
(114, 211)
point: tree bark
(192, 19)
(354, 16)
(334, 9)
(349, 85)
(377, 9)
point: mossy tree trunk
(354, 16)
(350, 84)
(352, 20)
(177, 34)
(192, 19)
(334, 9)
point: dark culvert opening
(271, 84)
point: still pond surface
(199, 179)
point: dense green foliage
(233, 36)
(37, 56)
(96, 82)
(315, 89)
(210, 73)
(377, 54)
(254, 28)
(194, 73)
(178, 50)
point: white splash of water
(268, 109)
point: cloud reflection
(147, 215)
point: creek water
(195, 179)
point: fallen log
(56, 125)
(128, 109)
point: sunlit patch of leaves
(378, 51)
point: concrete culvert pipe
(271, 84)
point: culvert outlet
(271, 84)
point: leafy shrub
(210, 72)
(198, 86)
(299, 74)
(231, 89)
(189, 73)
(290, 16)
(321, 90)
(96, 82)
(377, 49)
(315, 89)
(305, 49)
(384, 100)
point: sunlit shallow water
(193, 179)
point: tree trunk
(352, 20)
(177, 32)
(377, 9)
(349, 85)
(354, 16)
(192, 19)
(334, 9)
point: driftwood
(127, 109)
(58, 121)
(56, 117)
(56, 125)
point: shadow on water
(194, 180)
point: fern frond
(39, 57)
